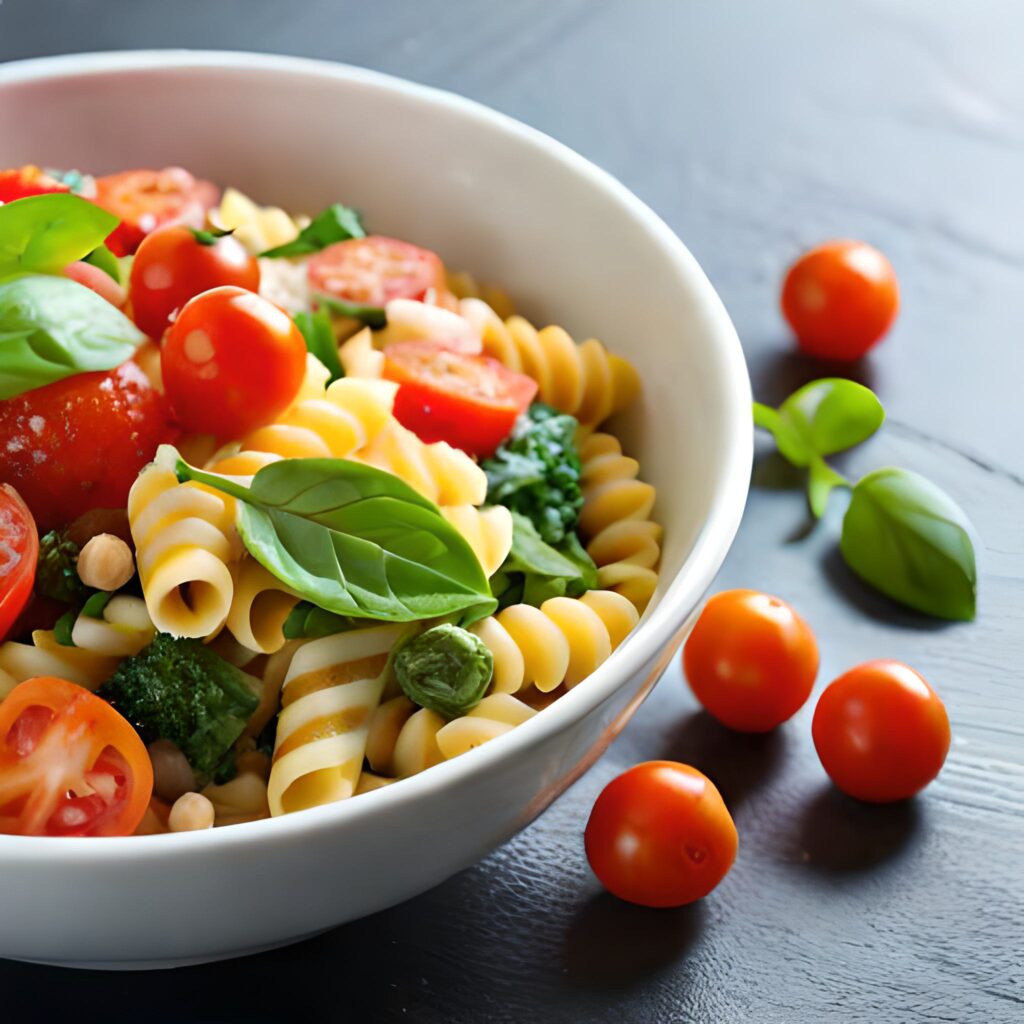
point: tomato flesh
(470, 401)
(70, 765)
(19, 182)
(19, 555)
(79, 443)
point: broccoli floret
(176, 689)
(57, 572)
(537, 472)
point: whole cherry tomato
(19, 554)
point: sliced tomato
(79, 443)
(373, 270)
(145, 200)
(70, 765)
(19, 554)
(19, 182)
(471, 402)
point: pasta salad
(288, 510)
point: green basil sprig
(372, 316)
(306, 621)
(354, 540)
(102, 258)
(53, 327)
(320, 340)
(336, 224)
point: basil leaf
(832, 414)
(45, 233)
(320, 340)
(103, 258)
(63, 628)
(209, 236)
(355, 540)
(821, 480)
(306, 620)
(910, 540)
(52, 327)
(372, 316)
(93, 607)
(336, 224)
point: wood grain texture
(754, 130)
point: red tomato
(750, 660)
(881, 732)
(70, 765)
(79, 443)
(20, 182)
(231, 362)
(373, 270)
(840, 299)
(660, 835)
(145, 200)
(98, 281)
(19, 553)
(469, 401)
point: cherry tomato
(881, 732)
(231, 362)
(469, 401)
(660, 835)
(70, 765)
(98, 281)
(20, 182)
(750, 660)
(79, 443)
(840, 299)
(172, 266)
(145, 200)
(373, 270)
(19, 554)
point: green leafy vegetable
(63, 628)
(320, 340)
(43, 234)
(179, 690)
(372, 316)
(52, 327)
(209, 236)
(57, 572)
(106, 261)
(307, 620)
(336, 224)
(909, 539)
(93, 608)
(536, 472)
(446, 669)
(355, 540)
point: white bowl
(573, 246)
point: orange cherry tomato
(881, 732)
(231, 362)
(840, 299)
(660, 835)
(19, 554)
(373, 270)
(70, 765)
(173, 265)
(145, 200)
(750, 660)
(470, 401)
(19, 182)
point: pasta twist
(464, 285)
(259, 606)
(244, 798)
(487, 530)
(258, 228)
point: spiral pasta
(258, 228)
(244, 798)
(259, 606)
(464, 285)
(330, 692)
(488, 532)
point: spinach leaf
(43, 234)
(106, 261)
(52, 327)
(320, 340)
(910, 540)
(355, 540)
(372, 316)
(336, 224)
(306, 620)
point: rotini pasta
(46, 657)
(258, 228)
(244, 798)
(259, 606)
(464, 285)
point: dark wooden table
(754, 129)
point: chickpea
(172, 774)
(105, 562)
(191, 812)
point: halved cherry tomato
(840, 299)
(145, 200)
(70, 765)
(98, 281)
(79, 443)
(469, 401)
(660, 835)
(20, 182)
(19, 554)
(750, 660)
(172, 266)
(373, 270)
(231, 362)
(881, 732)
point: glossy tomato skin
(840, 299)
(172, 266)
(144, 200)
(373, 270)
(470, 401)
(660, 835)
(19, 555)
(88, 771)
(79, 443)
(231, 362)
(881, 732)
(19, 182)
(750, 660)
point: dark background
(754, 129)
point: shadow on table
(776, 373)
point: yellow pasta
(258, 228)
(45, 657)
(259, 606)
(244, 798)
(465, 286)
(494, 716)
(487, 530)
